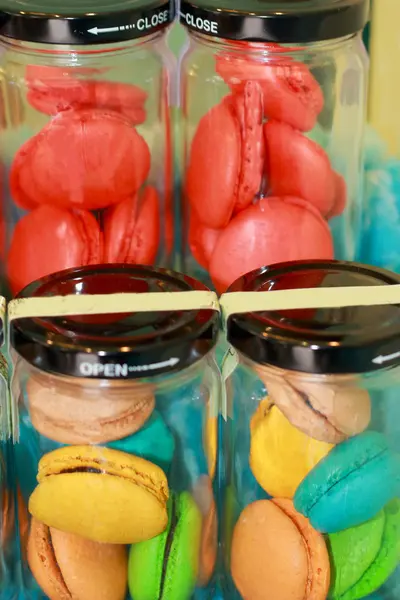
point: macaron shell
(202, 241)
(65, 413)
(387, 559)
(154, 442)
(347, 408)
(318, 558)
(208, 545)
(132, 229)
(183, 559)
(21, 176)
(351, 484)
(211, 444)
(323, 411)
(179, 556)
(291, 94)
(268, 556)
(214, 166)
(146, 235)
(90, 569)
(53, 89)
(129, 494)
(254, 238)
(100, 507)
(86, 159)
(298, 166)
(281, 455)
(300, 414)
(248, 107)
(352, 551)
(43, 564)
(51, 239)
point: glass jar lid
(321, 341)
(80, 22)
(129, 346)
(284, 21)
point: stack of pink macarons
(259, 189)
(81, 178)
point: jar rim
(303, 21)
(87, 23)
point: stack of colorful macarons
(81, 178)
(102, 471)
(260, 190)
(329, 521)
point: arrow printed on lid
(380, 360)
(100, 30)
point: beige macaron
(82, 411)
(329, 409)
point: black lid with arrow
(357, 339)
(83, 22)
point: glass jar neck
(98, 50)
(269, 48)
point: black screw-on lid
(113, 346)
(80, 22)
(339, 340)
(284, 21)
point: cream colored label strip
(103, 304)
(244, 302)
(2, 309)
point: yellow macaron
(102, 494)
(280, 454)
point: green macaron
(363, 557)
(166, 567)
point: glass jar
(118, 415)
(86, 140)
(273, 99)
(11, 506)
(312, 443)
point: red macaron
(298, 166)
(291, 93)
(86, 159)
(226, 158)
(50, 239)
(202, 241)
(54, 89)
(132, 229)
(271, 231)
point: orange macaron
(276, 553)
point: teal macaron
(166, 567)
(154, 442)
(364, 557)
(351, 484)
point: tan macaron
(68, 566)
(330, 410)
(87, 412)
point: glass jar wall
(311, 495)
(86, 142)
(12, 508)
(273, 104)
(117, 449)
